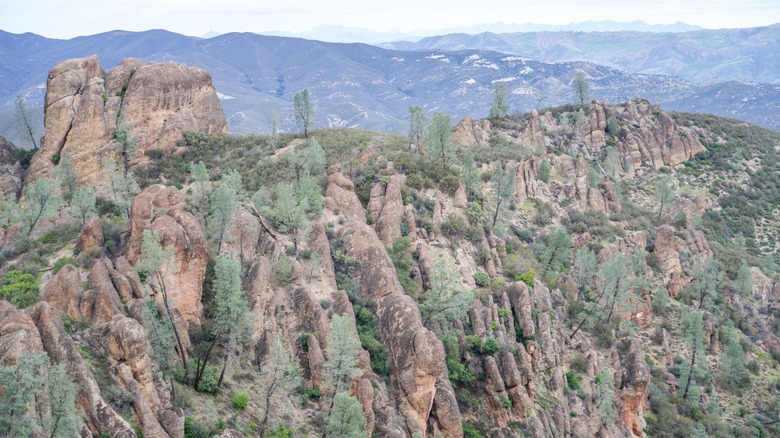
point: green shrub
(311, 394)
(19, 288)
(574, 380)
(280, 432)
(284, 271)
(62, 262)
(195, 429)
(240, 400)
(473, 343)
(527, 278)
(490, 346)
(470, 430)
(208, 383)
(482, 279)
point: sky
(70, 18)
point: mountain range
(372, 87)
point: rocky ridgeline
(122, 114)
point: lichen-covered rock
(152, 104)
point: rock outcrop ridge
(123, 114)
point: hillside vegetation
(609, 271)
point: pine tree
(581, 89)
(471, 178)
(160, 334)
(154, 264)
(232, 319)
(584, 269)
(65, 174)
(40, 201)
(23, 123)
(441, 149)
(745, 280)
(614, 282)
(544, 171)
(664, 194)
(605, 387)
(22, 383)
(280, 376)
(9, 209)
(341, 355)
(304, 111)
(64, 419)
(503, 188)
(223, 209)
(693, 332)
(706, 279)
(309, 160)
(122, 184)
(346, 419)
(83, 204)
(733, 370)
(416, 127)
(500, 105)
(556, 252)
(200, 197)
(445, 300)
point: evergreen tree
(160, 334)
(83, 204)
(581, 89)
(445, 300)
(584, 269)
(556, 252)
(664, 194)
(232, 319)
(612, 167)
(471, 178)
(200, 183)
(287, 212)
(614, 282)
(503, 188)
(22, 383)
(544, 171)
(441, 149)
(346, 419)
(65, 174)
(660, 301)
(40, 201)
(154, 264)
(223, 211)
(309, 160)
(745, 280)
(416, 127)
(500, 105)
(733, 370)
(9, 209)
(706, 279)
(122, 184)
(341, 360)
(605, 387)
(280, 376)
(64, 419)
(304, 111)
(691, 371)
(23, 123)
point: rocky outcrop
(387, 209)
(97, 304)
(647, 136)
(90, 114)
(91, 236)
(11, 172)
(633, 385)
(472, 133)
(129, 354)
(99, 416)
(417, 355)
(163, 211)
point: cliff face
(122, 114)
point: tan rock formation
(387, 208)
(163, 210)
(91, 236)
(154, 104)
(11, 172)
(634, 385)
(417, 355)
(472, 133)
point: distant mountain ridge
(701, 55)
(361, 85)
(343, 34)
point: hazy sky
(69, 18)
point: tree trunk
(495, 215)
(222, 374)
(202, 367)
(182, 353)
(690, 374)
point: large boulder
(149, 105)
